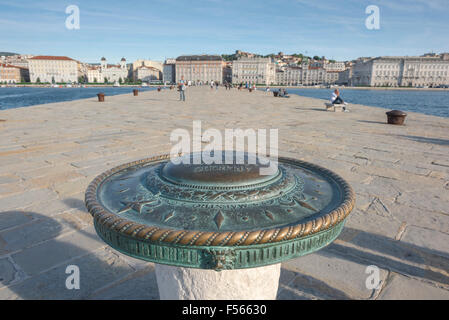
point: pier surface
(400, 174)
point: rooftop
(200, 58)
(51, 58)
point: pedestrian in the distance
(182, 89)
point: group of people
(335, 99)
(282, 93)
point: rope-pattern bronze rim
(226, 238)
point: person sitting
(283, 93)
(336, 99)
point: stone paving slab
(337, 277)
(410, 289)
(50, 153)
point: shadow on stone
(404, 258)
(443, 142)
(304, 287)
(368, 121)
(75, 203)
(312, 109)
(35, 251)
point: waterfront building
(426, 71)
(254, 70)
(312, 75)
(344, 77)
(13, 74)
(94, 74)
(82, 71)
(113, 72)
(53, 69)
(98, 73)
(147, 74)
(334, 66)
(200, 68)
(331, 77)
(289, 76)
(148, 63)
(169, 71)
(227, 72)
(307, 75)
(18, 60)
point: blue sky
(158, 29)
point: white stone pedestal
(176, 283)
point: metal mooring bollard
(218, 231)
(396, 117)
(100, 97)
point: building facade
(334, 66)
(53, 69)
(19, 60)
(148, 63)
(254, 70)
(113, 72)
(425, 71)
(289, 76)
(147, 74)
(227, 72)
(94, 74)
(151, 70)
(169, 71)
(104, 72)
(200, 68)
(13, 74)
(307, 75)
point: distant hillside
(7, 54)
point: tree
(95, 80)
(52, 79)
(106, 80)
(38, 80)
(316, 58)
(120, 80)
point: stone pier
(400, 174)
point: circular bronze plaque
(218, 216)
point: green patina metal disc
(218, 216)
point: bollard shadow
(368, 121)
(442, 142)
(35, 251)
